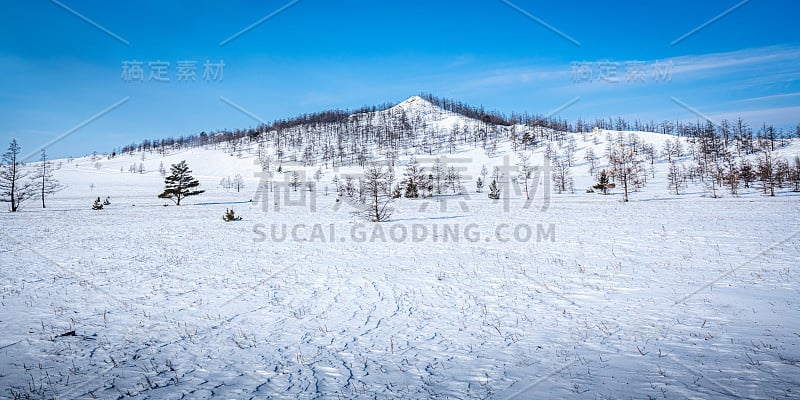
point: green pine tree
(230, 216)
(602, 182)
(180, 183)
(413, 177)
(397, 192)
(411, 190)
(494, 191)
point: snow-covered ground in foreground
(581, 296)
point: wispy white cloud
(515, 76)
(745, 71)
(738, 83)
(778, 116)
(770, 97)
(773, 58)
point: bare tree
(569, 151)
(766, 171)
(452, 140)
(672, 149)
(591, 158)
(497, 174)
(794, 176)
(438, 171)
(716, 177)
(747, 172)
(484, 172)
(377, 200)
(525, 172)
(318, 175)
(781, 172)
(625, 165)
(12, 187)
(238, 182)
(769, 134)
(46, 184)
(294, 181)
(453, 179)
(731, 171)
(562, 175)
(675, 178)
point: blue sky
(59, 70)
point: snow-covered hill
(101, 175)
(572, 294)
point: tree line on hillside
(338, 138)
(721, 153)
(629, 164)
(707, 160)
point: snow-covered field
(455, 297)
